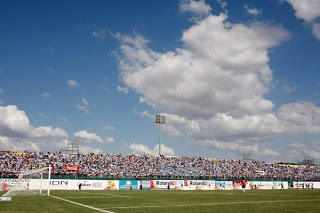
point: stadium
(58, 182)
(175, 106)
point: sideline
(80, 204)
(212, 204)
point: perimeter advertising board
(223, 185)
(163, 184)
(262, 185)
(146, 184)
(199, 184)
(128, 185)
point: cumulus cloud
(86, 137)
(300, 117)
(142, 149)
(99, 33)
(109, 127)
(1, 91)
(16, 133)
(316, 30)
(252, 11)
(84, 107)
(307, 10)
(46, 95)
(109, 140)
(199, 7)
(306, 150)
(73, 84)
(15, 123)
(123, 89)
(269, 153)
(215, 85)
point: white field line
(80, 204)
(88, 197)
(210, 204)
(103, 194)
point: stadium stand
(106, 165)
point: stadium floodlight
(160, 119)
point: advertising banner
(163, 184)
(306, 185)
(223, 185)
(200, 184)
(262, 185)
(237, 185)
(128, 185)
(112, 185)
(280, 184)
(146, 184)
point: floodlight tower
(160, 119)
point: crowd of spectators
(107, 165)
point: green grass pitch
(168, 201)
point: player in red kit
(243, 184)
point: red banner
(72, 168)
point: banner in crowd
(128, 185)
(72, 168)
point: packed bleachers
(151, 166)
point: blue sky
(231, 77)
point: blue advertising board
(128, 185)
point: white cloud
(1, 102)
(84, 101)
(109, 127)
(300, 151)
(17, 134)
(1, 91)
(230, 146)
(73, 84)
(269, 153)
(46, 95)
(142, 149)
(84, 108)
(15, 123)
(316, 30)
(197, 7)
(215, 86)
(289, 89)
(109, 140)
(87, 149)
(42, 115)
(307, 10)
(84, 136)
(252, 11)
(99, 33)
(9, 144)
(300, 117)
(123, 89)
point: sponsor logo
(59, 183)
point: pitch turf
(168, 201)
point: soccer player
(243, 184)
